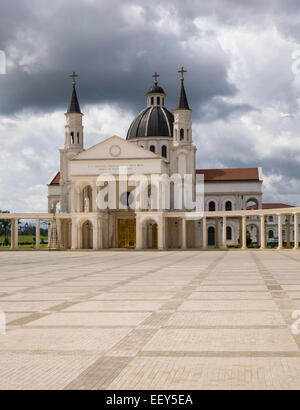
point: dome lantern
(156, 95)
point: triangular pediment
(115, 148)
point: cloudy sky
(243, 83)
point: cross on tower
(155, 75)
(182, 71)
(74, 75)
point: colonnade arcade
(164, 230)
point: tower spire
(182, 103)
(74, 107)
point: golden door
(126, 233)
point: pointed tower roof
(182, 103)
(74, 107)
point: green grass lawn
(25, 242)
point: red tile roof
(270, 206)
(230, 174)
(56, 179)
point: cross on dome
(155, 75)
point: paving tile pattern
(150, 320)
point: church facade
(158, 142)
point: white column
(100, 233)
(95, 234)
(139, 234)
(37, 234)
(74, 244)
(262, 232)
(58, 230)
(204, 233)
(216, 232)
(13, 242)
(161, 234)
(296, 231)
(288, 230)
(73, 198)
(244, 232)
(279, 231)
(78, 202)
(16, 233)
(224, 233)
(183, 233)
(94, 196)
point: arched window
(271, 219)
(228, 206)
(187, 135)
(152, 148)
(78, 136)
(181, 134)
(228, 233)
(164, 151)
(211, 206)
(158, 100)
(251, 204)
(72, 137)
(152, 100)
(163, 101)
(271, 234)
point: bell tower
(183, 151)
(74, 127)
(73, 144)
(182, 117)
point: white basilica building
(158, 142)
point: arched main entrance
(126, 233)
(211, 240)
(87, 235)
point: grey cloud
(115, 59)
(217, 109)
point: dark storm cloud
(114, 55)
(217, 109)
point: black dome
(156, 89)
(152, 122)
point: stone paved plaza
(150, 320)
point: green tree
(5, 227)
